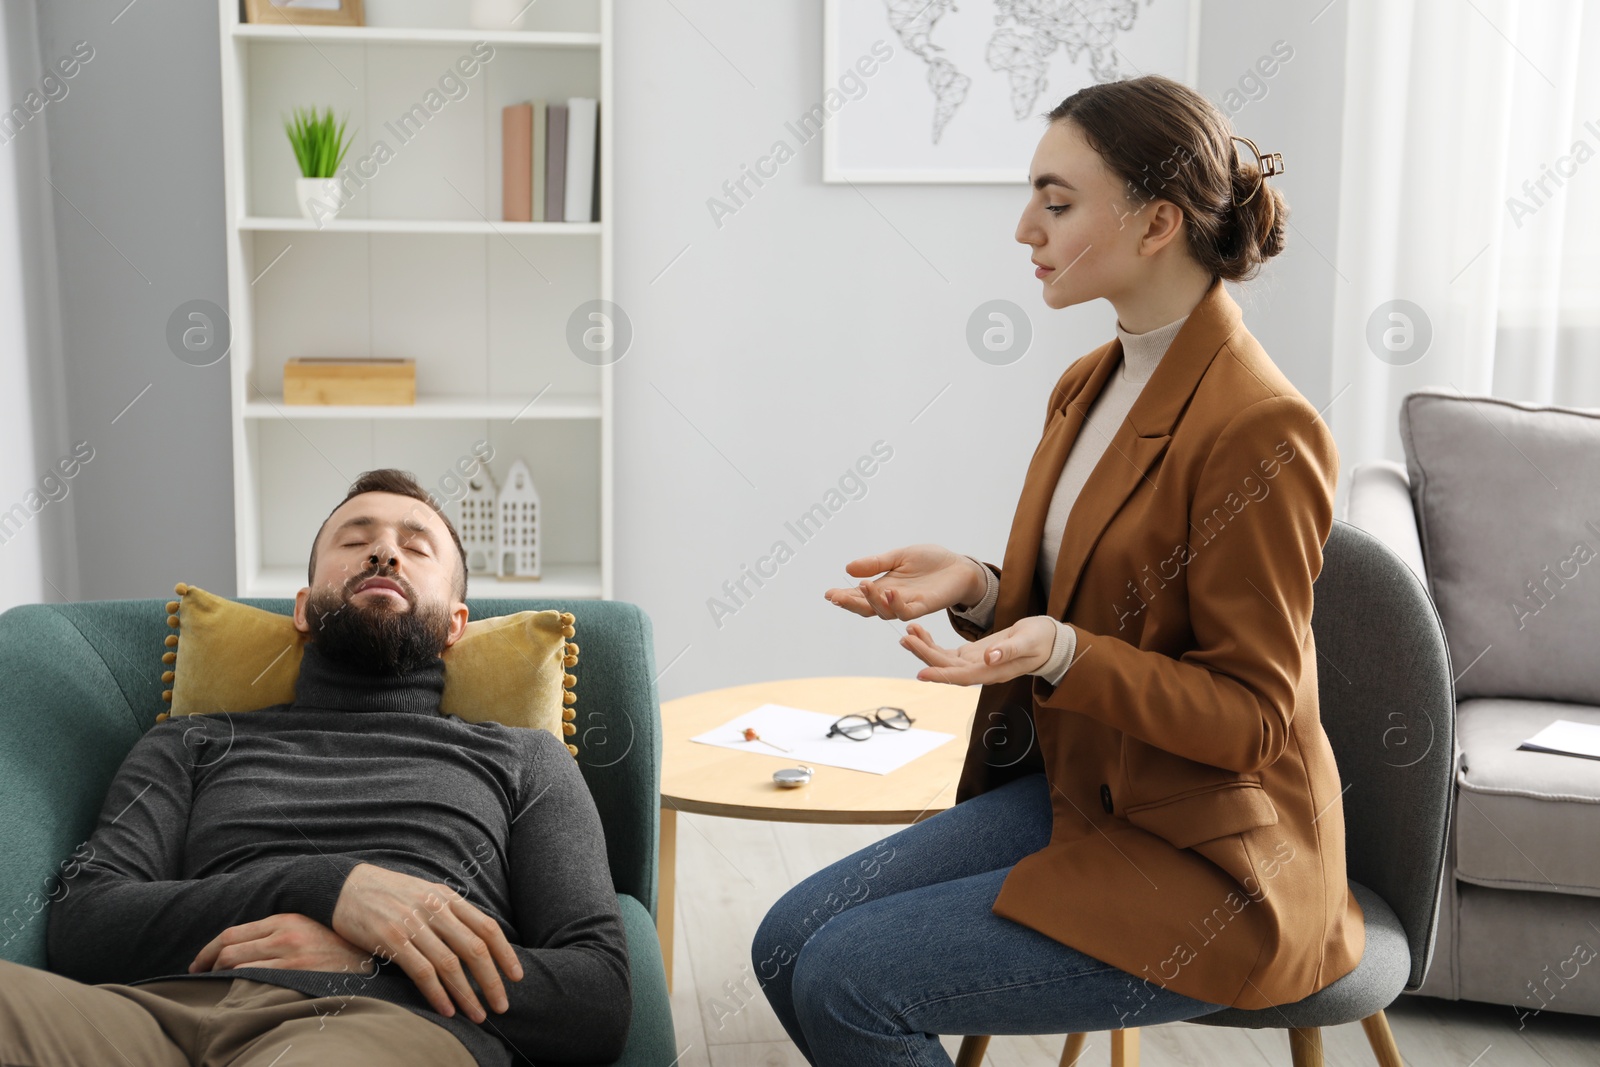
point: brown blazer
(1198, 832)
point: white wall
(822, 318)
(769, 356)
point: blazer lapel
(1133, 450)
(1027, 528)
(1126, 462)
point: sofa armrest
(1380, 503)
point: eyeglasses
(860, 727)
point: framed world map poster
(933, 91)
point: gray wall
(136, 154)
(820, 318)
(37, 560)
(767, 358)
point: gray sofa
(1497, 509)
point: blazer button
(1105, 797)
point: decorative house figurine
(517, 525)
(476, 523)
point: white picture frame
(886, 133)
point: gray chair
(1387, 705)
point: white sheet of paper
(1567, 738)
(805, 735)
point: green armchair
(80, 683)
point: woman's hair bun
(1256, 226)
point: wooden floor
(731, 871)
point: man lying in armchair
(353, 875)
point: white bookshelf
(419, 265)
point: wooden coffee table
(737, 784)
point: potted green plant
(319, 144)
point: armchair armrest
(1380, 503)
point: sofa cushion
(1530, 952)
(1508, 505)
(1525, 819)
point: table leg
(666, 879)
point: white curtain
(21, 573)
(36, 533)
(1470, 188)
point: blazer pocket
(1202, 814)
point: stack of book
(551, 161)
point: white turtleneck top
(1141, 352)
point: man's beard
(374, 638)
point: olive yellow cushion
(231, 657)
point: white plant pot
(495, 14)
(319, 198)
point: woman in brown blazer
(1148, 823)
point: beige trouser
(50, 1021)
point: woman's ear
(1163, 222)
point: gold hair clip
(1268, 165)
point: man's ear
(458, 623)
(300, 621)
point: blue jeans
(870, 959)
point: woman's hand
(1019, 649)
(432, 932)
(288, 940)
(916, 580)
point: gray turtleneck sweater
(217, 820)
(1141, 352)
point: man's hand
(428, 929)
(1019, 649)
(288, 940)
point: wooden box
(348, 13)
(322, 380)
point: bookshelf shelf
(460, 226)
(559, 581)
(548, 406)
(410, 35)
(419, 265)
